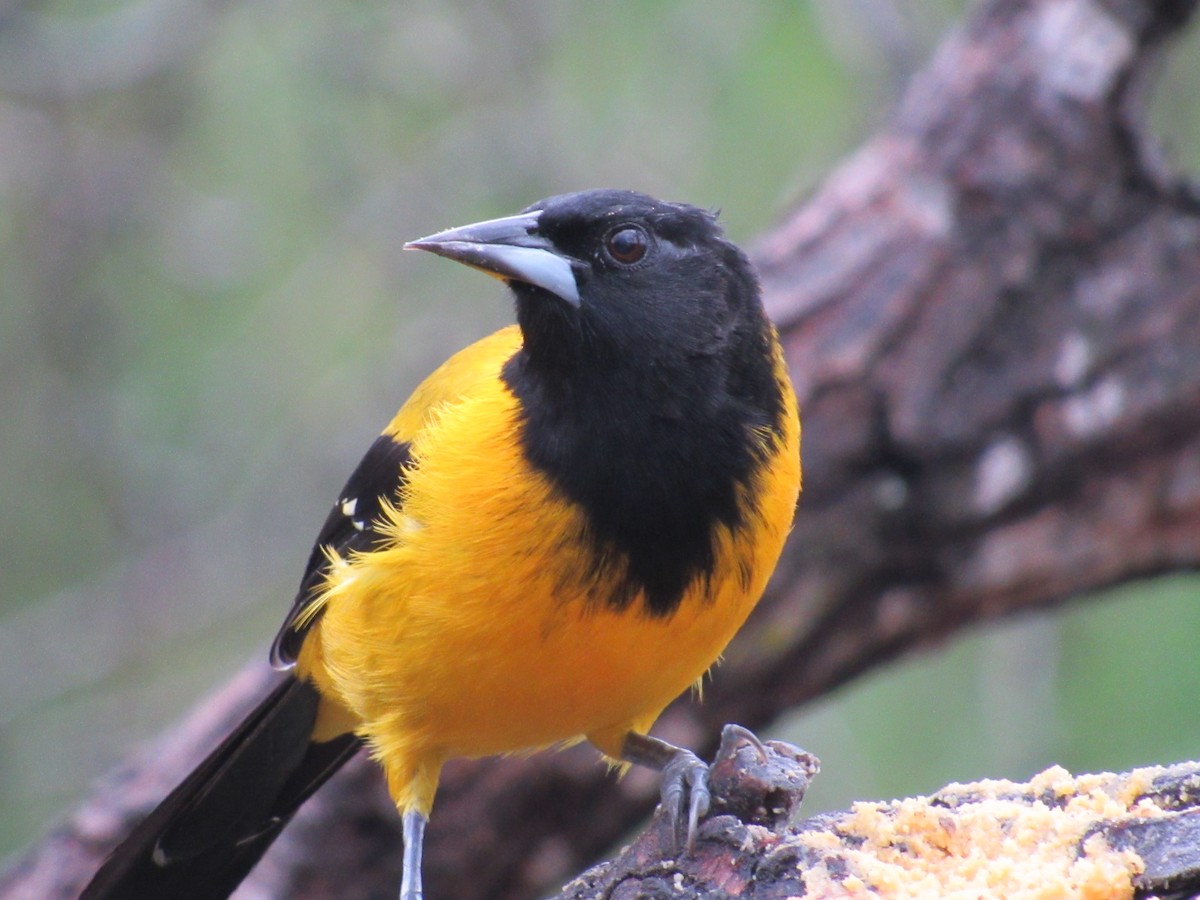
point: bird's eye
(627, 245)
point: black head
(647, 377)
(655, 279)
(608, 276)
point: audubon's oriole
(556, 535)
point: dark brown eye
(627, 245)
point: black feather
(202, 840)
(656, 400)
(377, 480)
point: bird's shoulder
(470, 371)
(354, 522)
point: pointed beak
(510, 249)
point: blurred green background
(206, 317)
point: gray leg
(682, 773)
(414, 842)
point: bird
(557, 535)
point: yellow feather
(474, 610)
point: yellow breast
(483, 628)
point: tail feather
(203, 839)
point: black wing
(350, 526)
(200, 842)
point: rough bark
(1128, 835)
(992, 316)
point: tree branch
(992, 314)
(1093, 836)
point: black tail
(203, 839)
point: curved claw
(732, 735)
(686, 775)
(685, 778)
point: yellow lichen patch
(991, 839)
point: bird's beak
(510, 249)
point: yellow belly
(473, 634)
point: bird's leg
(414, 842)
(683, 773)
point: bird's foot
(685, 785)
(731, 737)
